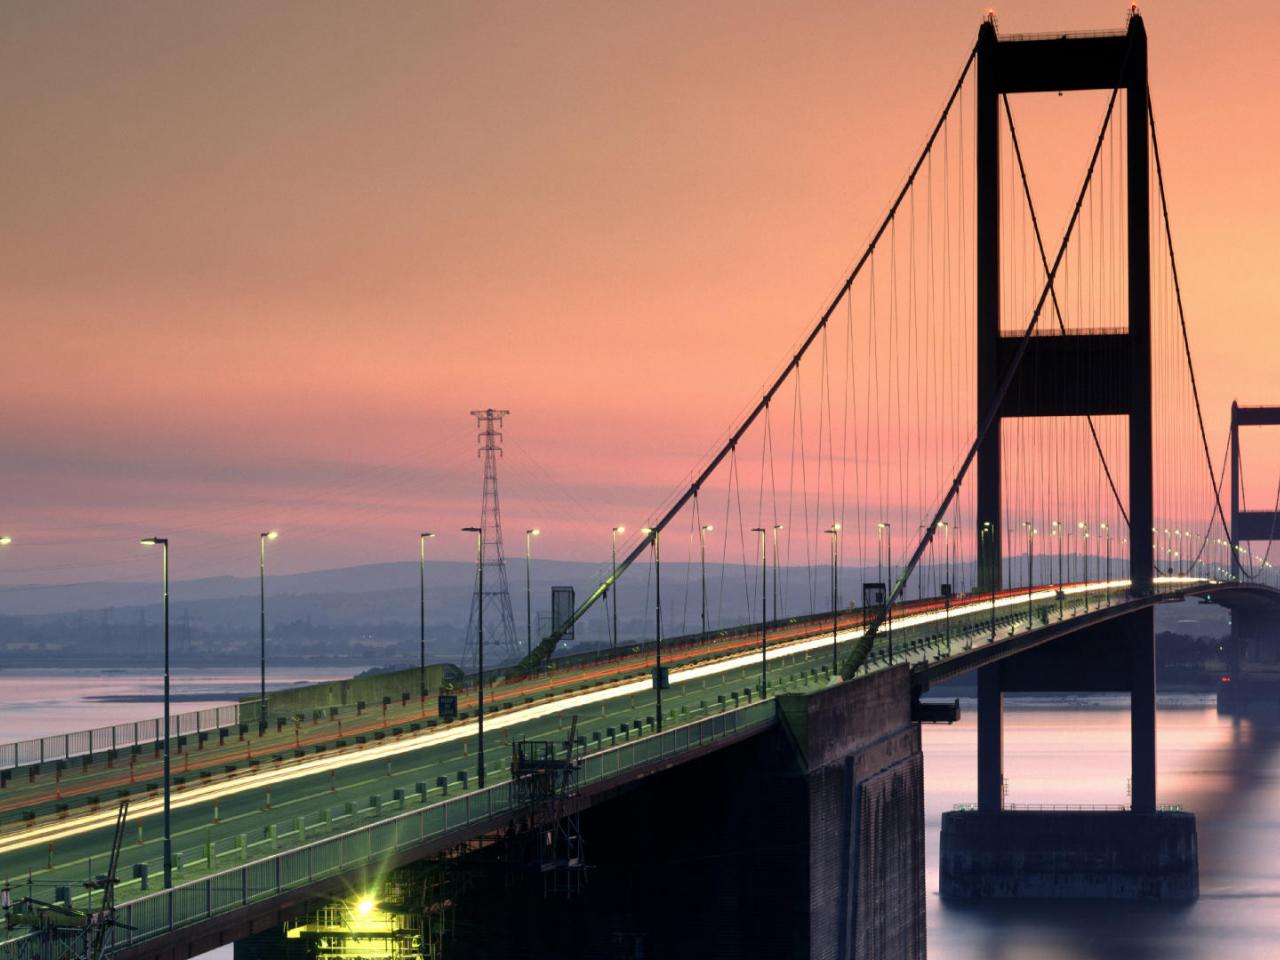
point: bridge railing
(82, 743)
(371, 845)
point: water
(1076, 750)
(1057, 750)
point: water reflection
(1076, 750)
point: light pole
(479, 652)
(776, 528)
(702, 533)
(764, 610)
(946, 596)
(1083, 527)
(658, 679)
(613, 582)
(1030, 572)
(528, 589)
(1106, 535)
(1057, 536)
(163, 543)
(834, 531)
(422, 618)
(262, 624)
(886, 528)
(993, 568)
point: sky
(260, 260)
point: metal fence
(230, 890)
(66, 746)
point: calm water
(1058, 750)
(1077, 751)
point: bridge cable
(1044, 259)
(864, 645)
(547, 646)
(1182, 320)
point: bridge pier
(1135, 853)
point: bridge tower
(1050, 381)
(500, 624)
(1255, 642)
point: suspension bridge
(1000, 419)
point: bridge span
(265, 822)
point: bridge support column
(990, 739)
(1139, 853)
(1142, 713)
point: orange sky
(261, 259)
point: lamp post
(1058, 536)
(1031, 531)
(5, 541)
(528, 589)
(776, 528)
(702, 535)
(993, 568)
(834, 531)
(946, 597)
(1106, 535)
(613, 582)
(886, 528)
(262, 625)
(764, 610)
(658, 681)
(163, 543)
(1083, 527)
(422, 618)
(479, 652)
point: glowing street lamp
(163, 542)
(764, 613)
(834, 532)
(5, 541)
(262, 623)
(702, 535)
(613, 581)
(422, 618)
(528, 588)
(659, 680)
(479, 652)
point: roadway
(322, 777)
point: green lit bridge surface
(324, 805)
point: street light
(5, 541)
(884, 530)
(1106, 535)
(993, 569)
(1030, 572)
(658, 679)
(422, 618)
(702, 533)
(613, 581)
(1058, 536)
(168, 833)
(834, 531)
(764, 612)
(262, 624)
(1084, 546)
(946, 596)
(528, 589)
(479, 652)
(776, 528)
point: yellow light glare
(365, 906)
(5, 541)
(272, 534)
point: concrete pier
(1115, 855)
